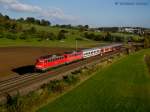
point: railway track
(13, 85)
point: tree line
(14, 29)
(107, 36)
(35, 21)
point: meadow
(66, 43)
(123, 86)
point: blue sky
(93, 12)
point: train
(47, 62)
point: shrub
(147, 60)
(23, 37)
(15, 104)
(77, 71)
(1, 36)
(71, 79)
(61, 35)
(10, 36)
(55, 86)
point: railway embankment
(122, 87)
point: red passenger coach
(73, 56)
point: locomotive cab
(39, 64)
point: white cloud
(8, 1)
(54, 14)
(24, 8)
(20, 7)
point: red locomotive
(50, 61)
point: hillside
(122, 87)
(34, 32)
(27, 33)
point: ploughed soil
(21, 60)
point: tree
(37, 21)
(57, 25)
(20, 19)
(50, 36)
(30, 20)
(147, 41)
(61, 35)
(81, 28)
(1, 15)
(32, 30)
(23, 36)
(86, 26)
(6, 17)
(45, 22)
(66, 26)
(107, 36)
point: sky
(96, 13)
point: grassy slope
(47, 43)
(69, 42)
(122, 87)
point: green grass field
(122, 87)
(67, 43)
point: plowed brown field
(13, 58)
